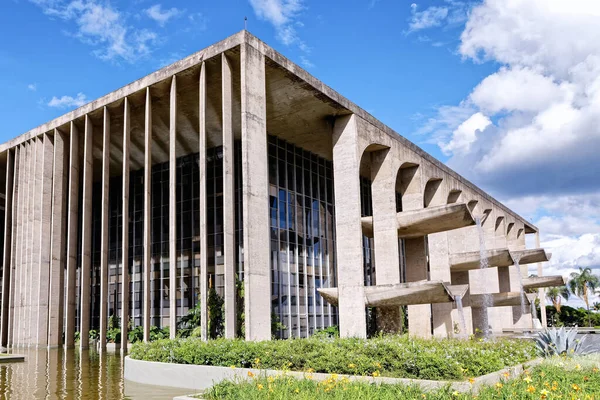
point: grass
(553, 379)
(391, 356)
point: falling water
(523, 297)
(483, 263)
(461, 316)
(533, 310)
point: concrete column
(125, 246)
(173, 210)
(419, 316)
(147, 212)
(346, 179)
(6, 264)
(20, 264)
(228, 200)
(385, 233)
(44, 239)
(35, 250)
(58, 261)
(202, 206)
(72, 231)
(105, 167)
(541, 291)
(255, 196)
(16, 200)
(86, 227)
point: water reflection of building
(227, 164)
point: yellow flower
(260, 387)
(352, 366)
(471, 380)
(376, 374)
(232, 367)
(544, 394)
(499, 385)
(455, 393)
(334, 377)
(378, 365)
(594, 369)
(257, 361)
(576, 387)
(310, 370)
(578, 367)
(309, 376)
(250, 374)
(423, 396)
(506, 375)
(527, 379)
(530, 389)
(270, 379)
(297, 390)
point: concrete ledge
(202, 377)
(9, 358)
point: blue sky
(507, 92)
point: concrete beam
(86, 234)
(401, 294)
(35, 288)
(543, 282)
(105, 167)
(59, 220)
(497, 299)
(125, 278)
(147, 212)
(531, 256)
(228, 200)
(541, 291)
(471, 260)
(173, 209)
(72, 233)
(255, 196)
(416, 223)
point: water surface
(71, 374)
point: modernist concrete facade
(235, 165)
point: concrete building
(236, 168)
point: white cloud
(32, 87)
(539, 151)
(103, 27)
(283, 15)
(68, 101)
(428, 18)
(162, 16)
(466, 133)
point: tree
(596, 306)
(556, 294)
(581, 284)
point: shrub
(559, 342)
(393, 356)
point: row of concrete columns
(43, 220)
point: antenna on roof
(245, 23)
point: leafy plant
(93, 334)
(581, 284)
(559, 341)
(326, 333)
(393, 356)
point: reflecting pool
(71, 374)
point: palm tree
(581, 284)
(556, 294)
(596, 306)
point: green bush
(543, 382)
(393, 356)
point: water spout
(461, 316)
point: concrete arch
(432, 190)
(453, 196)
(408, 186)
